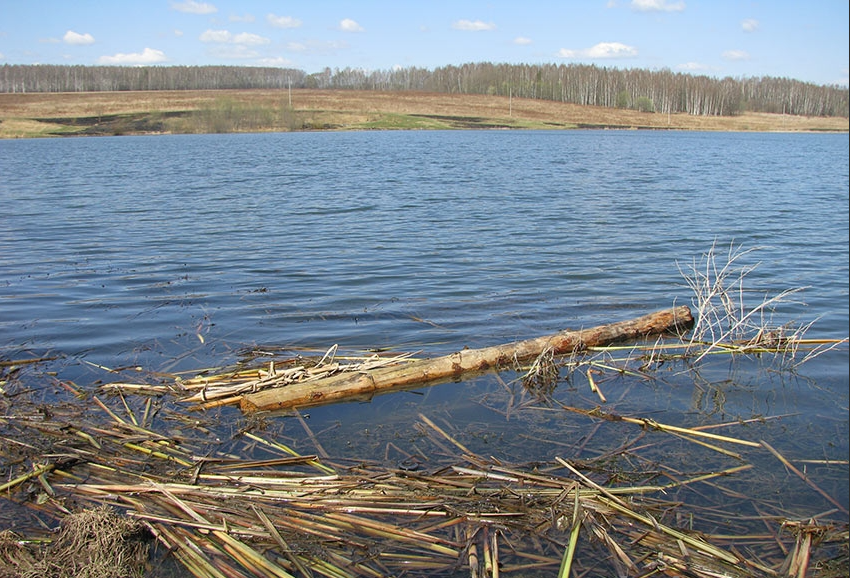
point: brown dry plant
(92, 543)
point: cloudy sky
(802, 40)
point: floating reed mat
(253, 506)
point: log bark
(364, 385)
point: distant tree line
(661, 91)
(62, 78)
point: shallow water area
(179, 254)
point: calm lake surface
(176, 253)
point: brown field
(102, 113)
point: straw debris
(267, 510)
(92, 543)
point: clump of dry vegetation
(92, 543)
(726, 322)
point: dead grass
(26, 115)
(92, 543)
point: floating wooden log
(362, 385)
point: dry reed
(275, 512)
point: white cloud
(349, 25)
(735, 55)
(147, 56)
(283, 21)
(601, 50)
(77, 39)
(522, 40)
(192, 7)
(244, 18)
(611, 50)
(178, 33)
(250, 39)
(226, 37)
(216, 36)
(750, 25)
(657, 6)
(473, 25)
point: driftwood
(365, 384)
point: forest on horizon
(649, 91)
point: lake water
(178, 252)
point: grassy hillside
(116, 113)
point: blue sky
(802, 40)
